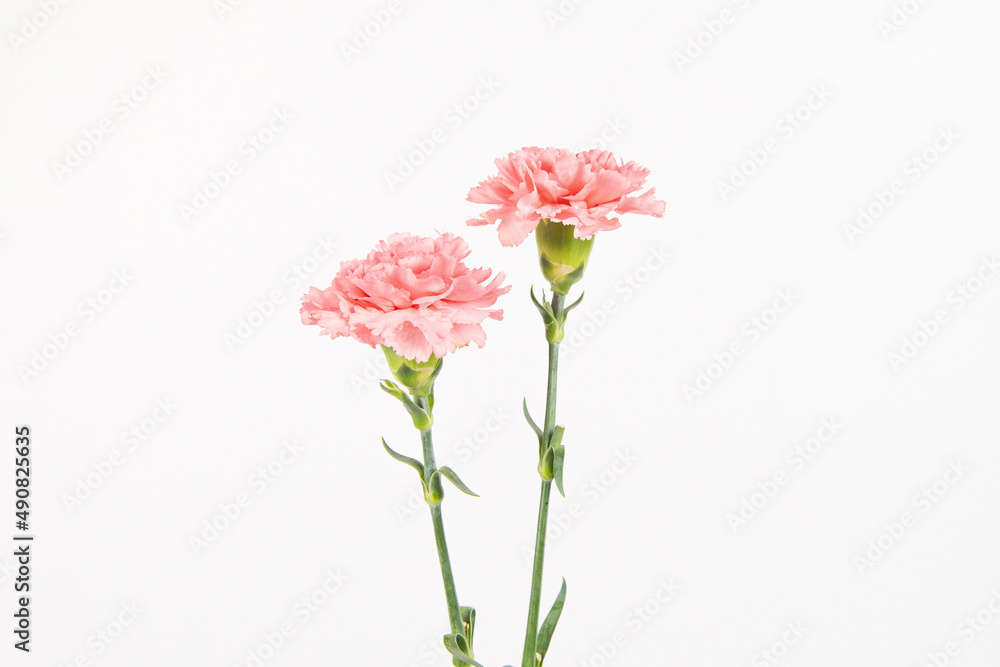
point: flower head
(576, 189)
(412, 294)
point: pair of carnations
(416, 298)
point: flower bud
(562, 256)
(417, 377)
(434, 491)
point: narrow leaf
(574, 304)
(557, 436)
(391, 388)
(558, 457)
(549, 624)
(451, 643)
(413, 463)
(452, 477)
(545, 310)
(531, 422)
(422, 419)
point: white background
(911, 102)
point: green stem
(430, 466)
(531, 633)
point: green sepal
(548, 268)
(563, 283)
(417, 376)
(561, 256)
(468, 615)
(434, 489)
(549, 625)
(422, 419)
(459, 649)
(452, 477)
(531, 422)
(412, 462)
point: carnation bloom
(412, 294)
(580, 190)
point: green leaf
(557, 436)
(452, 477)
(422, 419)
(545, 310)
(468, 615)
(413, 463)
(573, 305)
(553, 325)
(558, 457)
(531, 422)
(454, 644)
(549, 624)
(391, 388)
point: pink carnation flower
(580, 189)
(412, 294)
